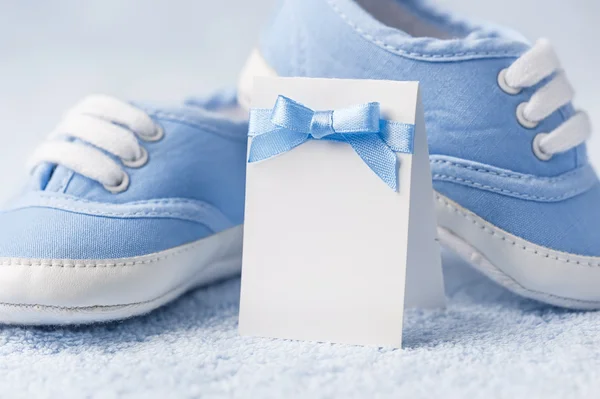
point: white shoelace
(107, 124)
(537, 64)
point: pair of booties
(129, 206)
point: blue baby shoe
(127, 208)
(514, 192)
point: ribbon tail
(268, 145)
(377, 155)
(398, 136)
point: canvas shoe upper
(128, 206)
(515, 194)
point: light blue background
(54, 52)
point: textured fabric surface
(200, 162)
(468, 116)
(45, 233)
(487, 343)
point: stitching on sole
(116, 307)
(515, 287)
(593, 261)
(94, 264)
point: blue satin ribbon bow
(289, 124)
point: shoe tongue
(59, 179)
(48, 177)
(52, 177)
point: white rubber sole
(55, 292)
(527, 269)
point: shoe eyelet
(119, 188)
(157, 135)
(537, 150)
(139, 161)
(526, 123)
(505, 86)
